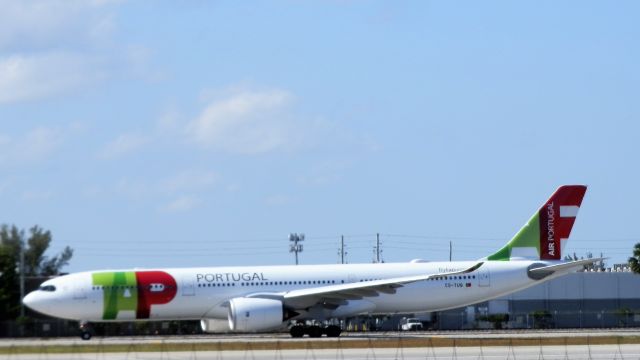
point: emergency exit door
(484, 278)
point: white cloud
(166, 128)
(123, 144)
(248, 122)
(93, 191)
(169, 126)
(189, 180)
(182, 204)
(39, 143)
(133, 188)
(37, 195)
(50, 47)
(325, 173)
(168, 121)
(5, 185)
(139, 61)
(27, 77)
(50, 23)
(4, 140)
(194, 182)
(102, 27)
(35, 145)
(255, 122)
(278, 200)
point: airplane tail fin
(545, 235)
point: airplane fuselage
(263, 298)
(202, 293)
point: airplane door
(484, 278)
(188, 287)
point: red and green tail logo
(548, 230)
(134, 291)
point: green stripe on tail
(528, 237)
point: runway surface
(525, 353)
(353, 336)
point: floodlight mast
(295, 247)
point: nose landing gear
(86, 331)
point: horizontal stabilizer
(542, 272)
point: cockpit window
(47, 288)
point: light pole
(21, 281)
(295, 247)
(376, 249)
(341, 251)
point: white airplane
(264, 298)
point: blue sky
(157, 134)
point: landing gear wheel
(314, 331)
(85, 330)
(297, 331)
(333, 331)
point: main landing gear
(86, 331)
(314, 331)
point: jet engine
(212, 326)
(255, 314)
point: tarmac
(345, 337)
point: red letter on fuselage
(154, 288)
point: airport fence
(370, 346)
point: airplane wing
(336, 295)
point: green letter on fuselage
(120, 292)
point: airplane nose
(28, 300)
(35, 301)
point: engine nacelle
(212, 326)
(255, 314)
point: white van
(410, 324)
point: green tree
(634, 261)
(9, 298)
(36, 263)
